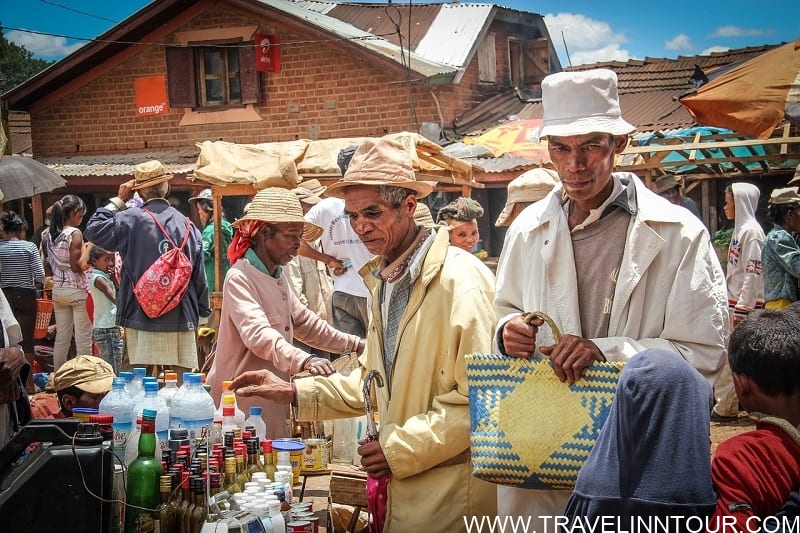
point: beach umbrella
(514, 138)
(753, 97)
(23, 177)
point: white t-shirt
(340, 241)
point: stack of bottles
(178, 450)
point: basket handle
(529, 317)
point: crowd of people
(626, 272)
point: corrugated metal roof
(648, 89)
(454, 33)
(177, 161)
(362, 38)
(387, 20)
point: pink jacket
(260, 317)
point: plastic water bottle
(139, 398)
(175, 404)
(196, 409)
(231, 400)
(118, 404)
(137, 384)
(257, 422)
(128, 377)
(154, 402)
(170, 387)
(278, 523)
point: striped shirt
(58, 257)
(20, 264)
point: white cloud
(736, 31)
(43, 46)
(588, 40)
(679, 42)
(710, 50)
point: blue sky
(594, 30)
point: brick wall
(319, 88)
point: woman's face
(465, 235)
(729, 208)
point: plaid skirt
(161, 347)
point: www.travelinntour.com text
(639, 524)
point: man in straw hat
(204, 206)
(525, 189)
(618, 268)
(431, 305)
(262, 316)
(168, 340)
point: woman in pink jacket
(260, 313)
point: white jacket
(670, 294)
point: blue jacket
(133, 234)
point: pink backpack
(160, 288)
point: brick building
(179, 72)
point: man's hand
(519, 338)
(570, 356)
(125, 191)
(11, 361)
(264, 384)
(372, 458)
(319, 366)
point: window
(528, 61)
(487, 60)
(214, 75)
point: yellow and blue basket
(528, 429)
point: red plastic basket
(44, 314)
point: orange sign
(151, 95)
(268, 53)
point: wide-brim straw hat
(310, 191)
(276, 205)
(528, 187)
(149, 173)
(580, 103)
(785, 195)
(379, 162)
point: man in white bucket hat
(618, 268)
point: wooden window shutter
(248, 75)
(487, 60)
(537, 60)
(181, 82)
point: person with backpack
(156, 240)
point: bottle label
(121, 432)
(198, 428)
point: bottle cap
(149, 413)
(171, 376)
(255, 410)
(226, 385)
(139, 371)
(228, 411)
(228, 399)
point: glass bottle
(176, 498)
(253, 457)
(231, 483)
(186, 500)
(199, 512)
(269, 462)
(142, 487)
(166, 512)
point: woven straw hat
(276, 205)
(205, 194)
(528, 187)
(149, 173)
(423, 216)
(310, 191)
(381, 162)
(579, 103)
(786, 195)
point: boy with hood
(744, 279)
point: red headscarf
(243, 238)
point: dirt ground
(725, 430)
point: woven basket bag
(528, 429)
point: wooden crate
(348, 486)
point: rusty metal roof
(177, 161)
(649, 89)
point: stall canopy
(753, 97)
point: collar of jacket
(431, 265)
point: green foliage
(722, 237)
(17, 64)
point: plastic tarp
(753, 97)
(261, 165)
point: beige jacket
(424, 427)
